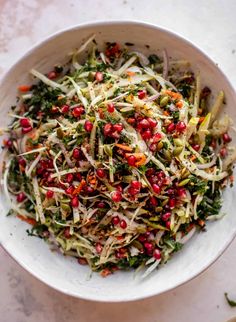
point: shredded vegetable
(116, 159)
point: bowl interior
(64, 273)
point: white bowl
(64, 274)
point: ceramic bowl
(64, 274)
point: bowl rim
(108, 23)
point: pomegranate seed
(149, 172)
(107, 129)
(78, 111)
(49, 178)
(78, 176)
(141, 94)
(65, 109)
(25, 130)
(153, 179)
(82, 261)
(156, 188)
(54, 109)
(101, 173)
(99, 76)
(118, 127)
(226, 138)
(115, 220)
(170, 191)
(52, 75)
(131, 120)
(166, 216)
(88, 126)
(25, 122)
(69, 177)
(161, 174)
(22, 162)
(101, 205)
(172, 203)
(69, 190)
(67, 232)
(123, 224)
(76, 153)
(89, 189)
(223, 152)
(142, 238)
(153, 201)
(181, 192)
(146, 135)
(148, 246)
(132, 191)
(75, 202)
(98, 248)
(131, 160)
(213, 143)
(152, 122)
(50, 164)
(156, 138)
(153, 147)
(8, 143)
(116, 196)
(136, 185)
(49, 194)
(180, 126)
(170, 128)
(110, 107)
(196, 147)
(20, 197)
(143, 124)
(157, 254)
(168, 224)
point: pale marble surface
(212, 26)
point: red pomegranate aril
(110, 107)
(75, 202)
(170, 191)
(157, 254)
(52, 75)
(149, 172)
(25, 122)
(115, 220)
(136, 184)
(181, 192)
(69, 177)
(101, 205)
(196, 147)
(223, 152)
(67, 233)
(107, 129)
(49, 178)
(49, 194)
(54, 109)
(119, 188)
(170, 128)
(78, 111)
(153, 201)
(20, 197)
(141, 94)
(152, 122)
(65, 109)
(166, 216)
(161, 175)
(8, 143)
(156, 138)
(22, 162)
(25, 130)
(78, 176)
(123, 224)
(142, 238)
(180, 126)
(146, 135)
(50, 163)
(143, 124)
(118, 127)
(226, 138)
(76, 153)
(69, 190)
(156, 188)
(131, 160)
(148, 246)
(168, 224)
(99, 76)
(116, 196)
(89, 189)
(153, 147)
(88, 126)
(133, 191)
(101, 173)
(98, 248)
(82, 261)
(172, 203)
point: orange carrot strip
(179, 104)
(79, 187)
(124, 147)
(24, 88)
(105, 272)
(129, 73)
(30, 221)
(141, 161)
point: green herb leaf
(230, 302)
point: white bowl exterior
(64, 274)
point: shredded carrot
(201, 119)
(129, 73)
(79, 187)
(124, 147)
(166, 113)
(101, 113)
(92, 179)
(30, 221)
(119, 237)
(105, 272)
(60, 97)
(24, 88)
(201, 222)
(193, 157)
(179, 104)
(176, 96)
(141, 158)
